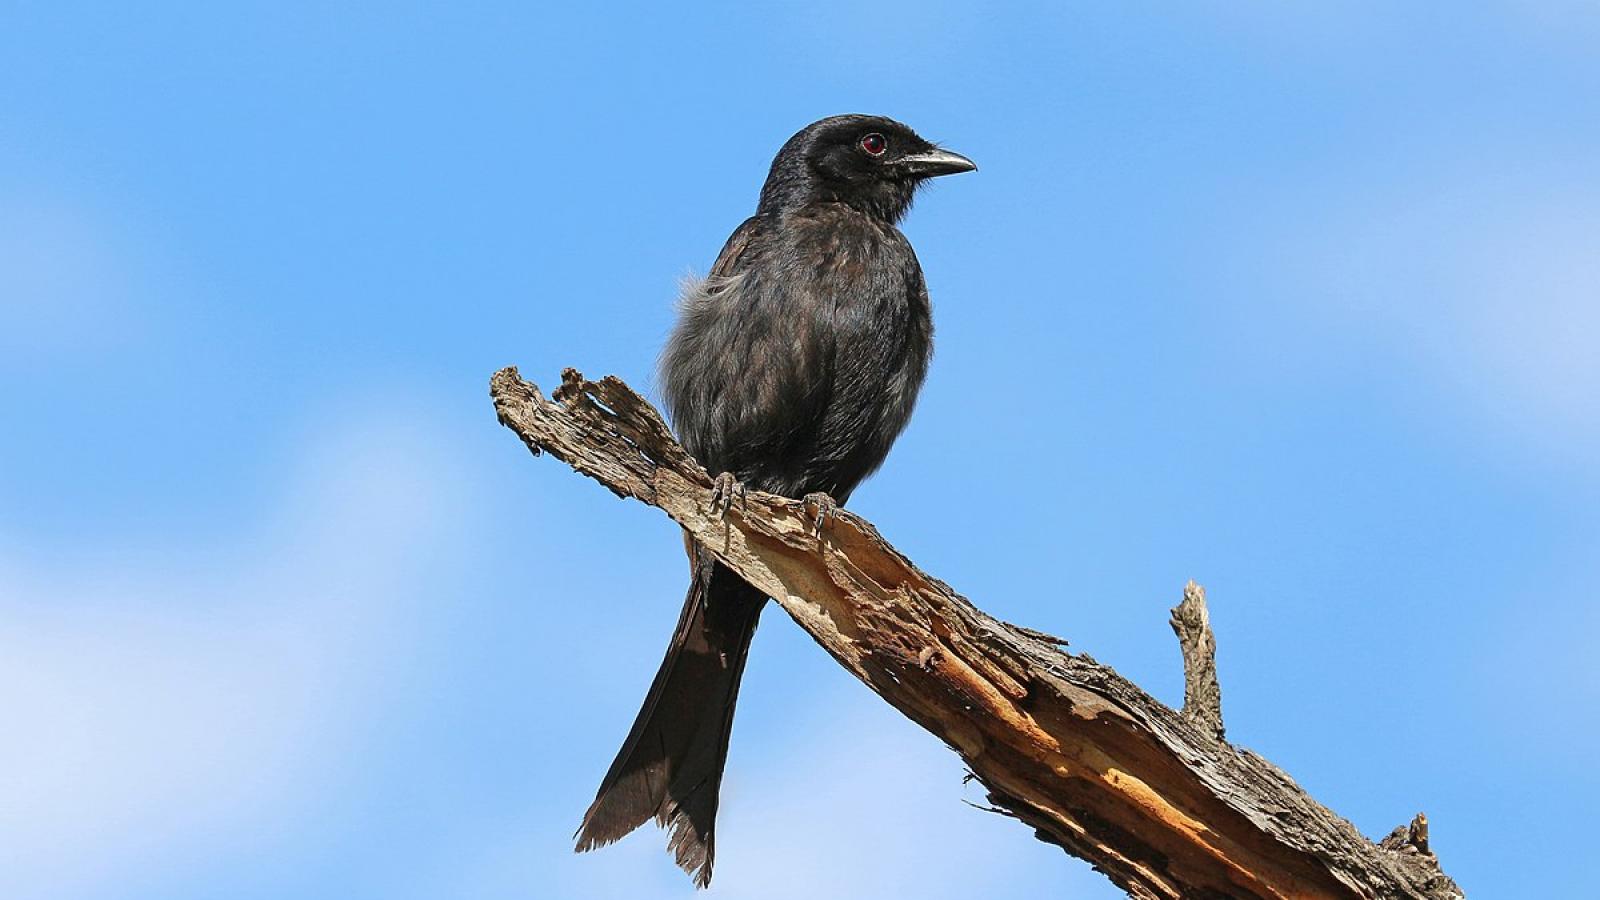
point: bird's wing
(745, 374)
(732, 258)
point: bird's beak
(936, 162)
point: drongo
(793, 367)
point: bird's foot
(821, 507)
(724, 488)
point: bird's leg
(724, 488)
(825, 507)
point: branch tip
(1202, 694)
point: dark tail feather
(670, 767)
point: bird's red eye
(874, 144)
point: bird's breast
(855, 260)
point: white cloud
(1547, 628)
(872, 808)
(866, 805)
(66, 272)
(156, 712)
(1484, 281)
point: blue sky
(1300, 303)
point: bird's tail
(670, 766)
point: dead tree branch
(1202, 695)
(1153, 798)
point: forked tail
(670, 766)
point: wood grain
(1153, 798)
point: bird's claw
(724, 488)
(825, 508)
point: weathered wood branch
(1153, 798)
(1202, 695)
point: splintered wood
(1154, 798)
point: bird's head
(869, 162)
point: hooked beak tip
(937, 162)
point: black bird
(793, 366)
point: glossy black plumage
(794, 366)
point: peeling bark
(1151, 797)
